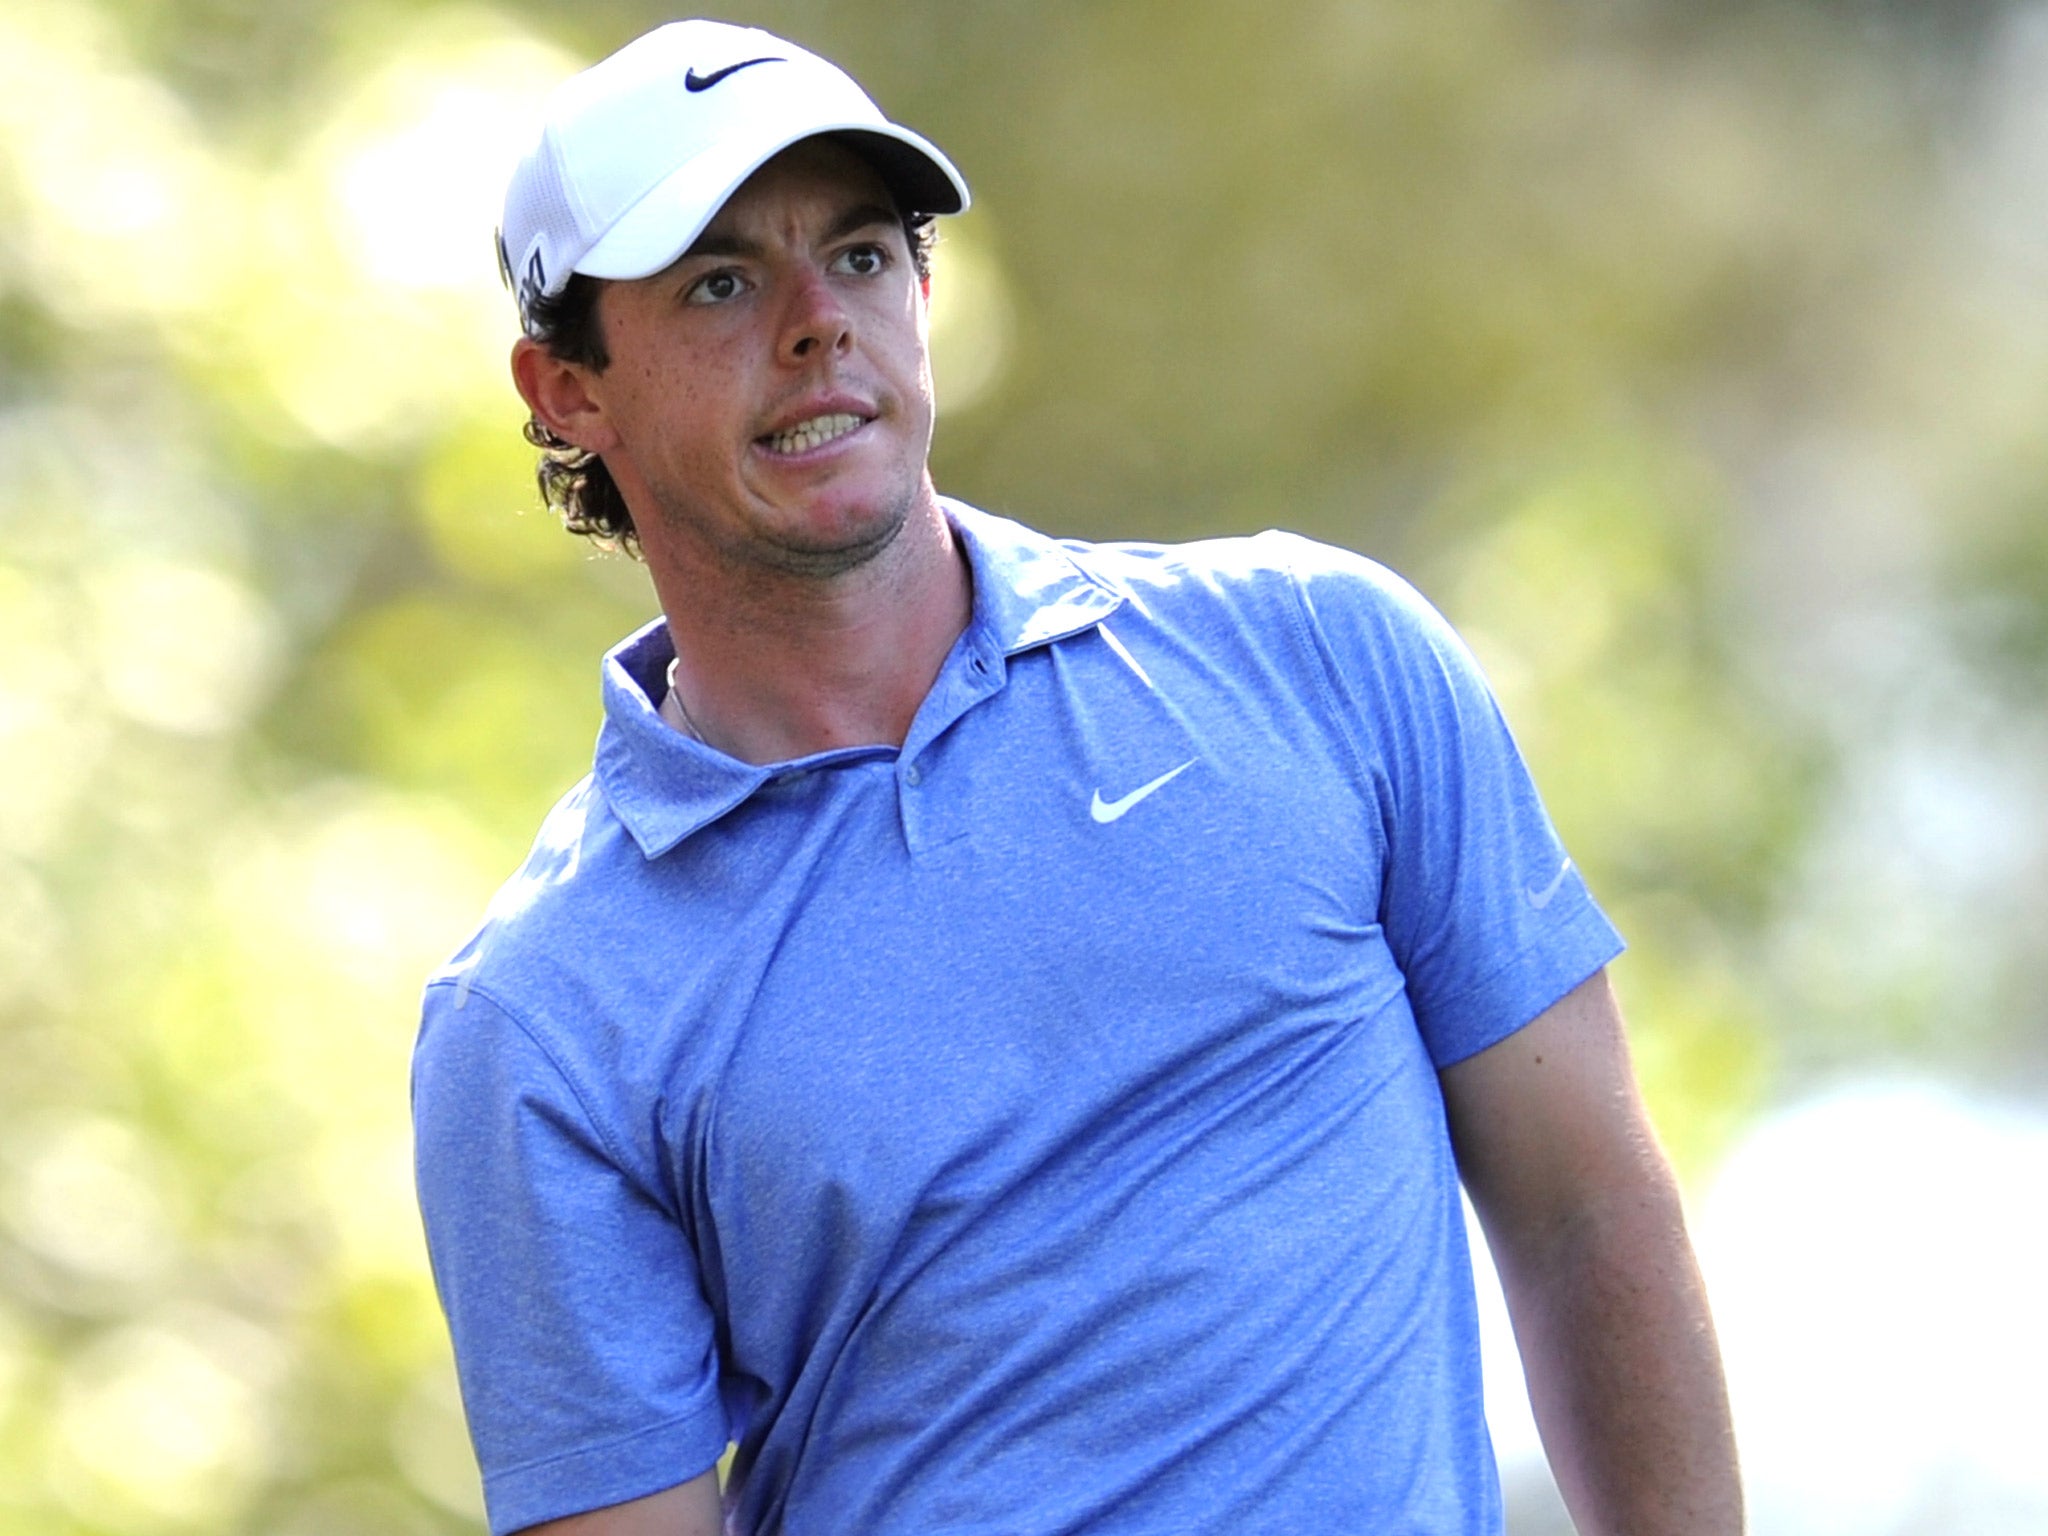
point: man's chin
(832, 541)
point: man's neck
(772, 665)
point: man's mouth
(814, 433)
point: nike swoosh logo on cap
(692, 81)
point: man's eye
(863, 260)
(714, 288)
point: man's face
(769, 396)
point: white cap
(638, 152)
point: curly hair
(574, 482)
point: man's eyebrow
(863, 216)
(717, 242)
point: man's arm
(1583, 1218)
(689, 1509)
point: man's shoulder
(1261, 577)
(570, 890)
(1242, 573)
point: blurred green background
(1693, 357)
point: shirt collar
(1029, 590)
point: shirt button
(913, 776)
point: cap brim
(665, 223)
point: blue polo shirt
(1035, 1129)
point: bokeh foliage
(1690, 357)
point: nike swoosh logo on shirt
(1106, 811)
(1541, 899)
(692, 81)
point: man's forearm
(1623, 1369)
(689, 1509)
(1586, 1228)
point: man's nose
(815, 319)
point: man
(998, 1035)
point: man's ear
(560, 395)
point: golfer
(997, 1038)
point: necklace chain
(675, 697)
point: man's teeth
(809, 434)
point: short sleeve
(1482, 907)
(586, 1352)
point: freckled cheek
(698, 408)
